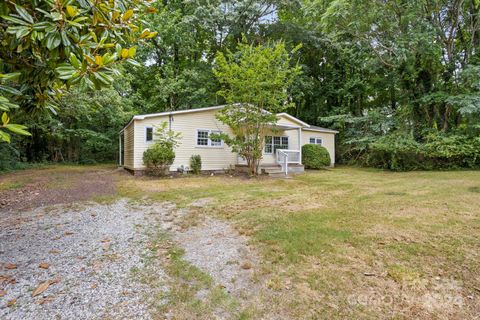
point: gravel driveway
(79, 261)
(74, 262)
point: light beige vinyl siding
(328, 141)
(128, 145)
(187, 124)
(213, 158)
(287, 122)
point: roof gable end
(292, 118)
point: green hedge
(402, 153)
(158, 157)
(315, 156)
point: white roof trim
(320, 130)
(288, 116)
(167, 113)
(304, 125)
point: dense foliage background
(399, 79)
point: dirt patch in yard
(37, 188)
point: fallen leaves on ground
(44, 265)
(7, 279)
(46, 300)
(2, 293)
(11, 302)
(11, 266)
(44, 286)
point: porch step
(280, 174)
(276, 170)
(270, 169)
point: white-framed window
(314, 140)
(204, 139)
(273, 143)
(148, 134)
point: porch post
(300, 143)
(120, 149)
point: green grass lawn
(351, 242)
(334, 244)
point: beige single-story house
(195, 126)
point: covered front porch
(282, 151)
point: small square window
(202, 138)
(312, 141)
(148, 134)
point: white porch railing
(285, 157)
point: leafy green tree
(255, 82)
(48, 46)
(85, 128)
(375, 68)
(177, 70)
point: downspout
(170, 120)
(300, 144)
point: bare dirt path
(29, 189)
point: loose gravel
(219, 250)
(90, 252)
(79, 261)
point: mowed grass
(350, 242)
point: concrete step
(280, 175)
(271, 170)
(276, 170)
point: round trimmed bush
(158, 158)
(315, 156)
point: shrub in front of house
(158, 158)
(315, 156)
(196, 163)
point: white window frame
(316, 141)
(273, 143)
(146, 128)
(210, 131)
